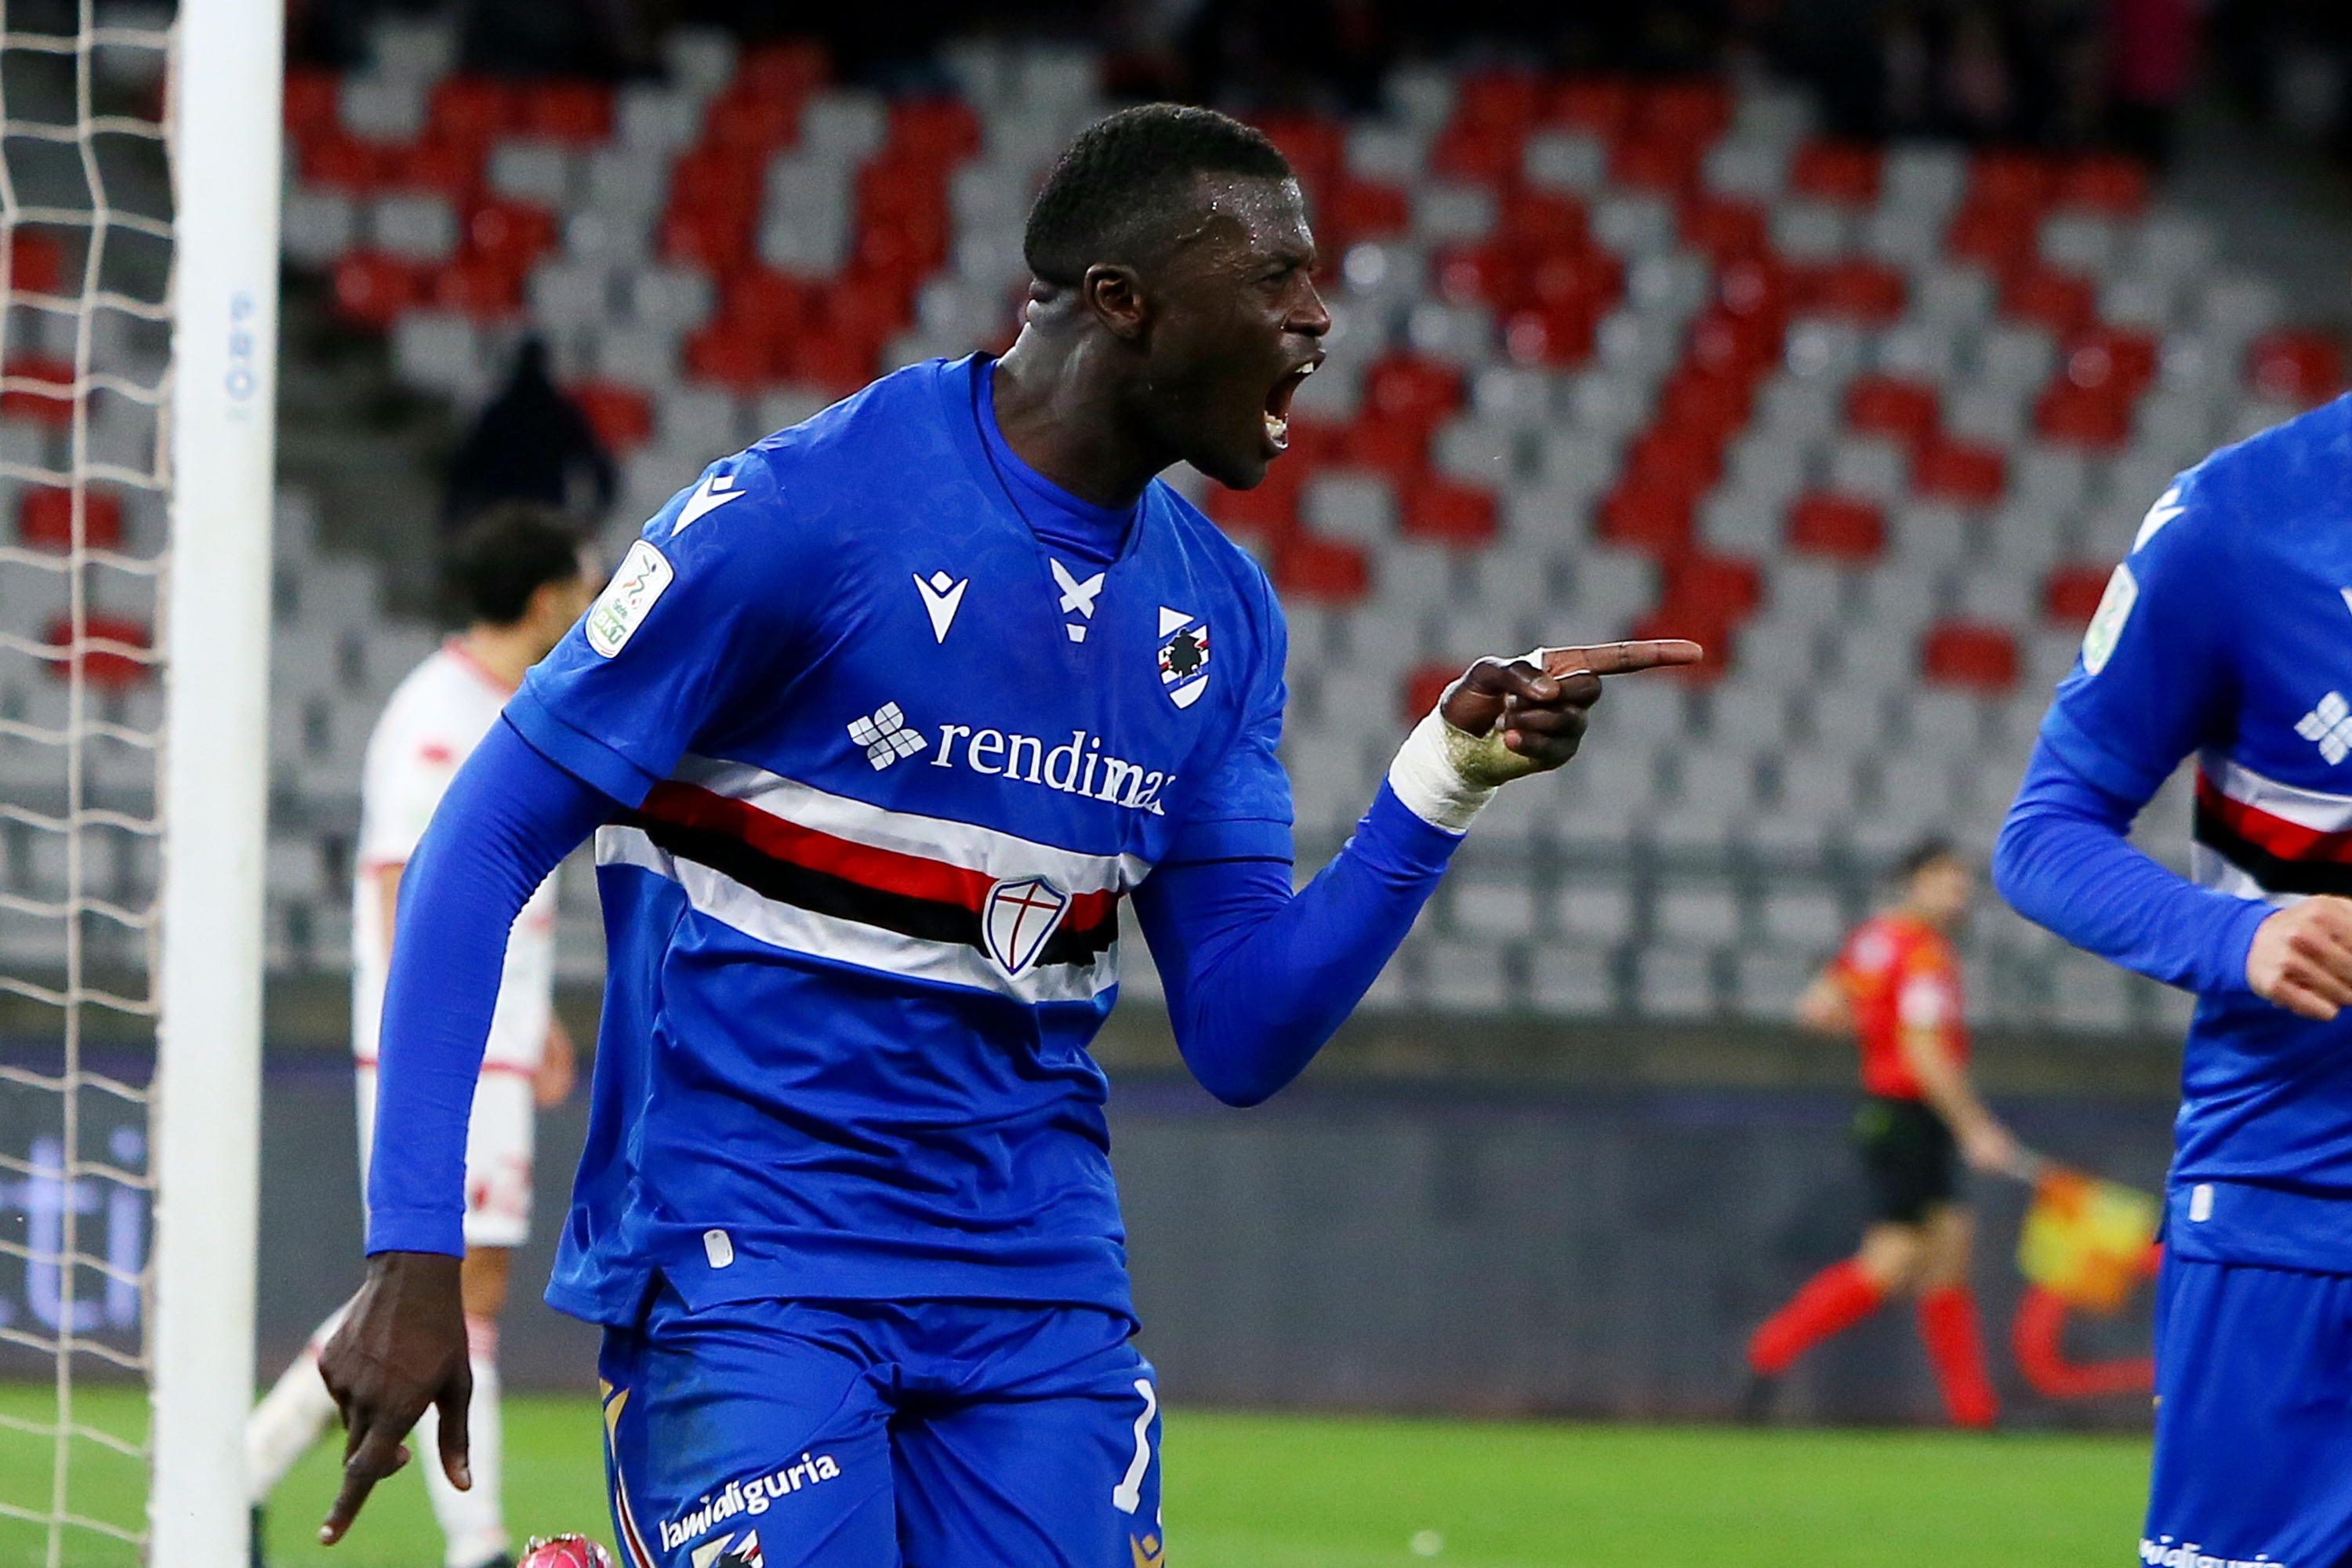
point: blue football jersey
(2227, 632)
(893, 764)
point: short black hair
(1924, 854)
(1129, 171)
(507, 555)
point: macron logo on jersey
(715, 491)
(941, 597)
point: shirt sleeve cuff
(583, 756)
(416, 1230)
(1391, 835)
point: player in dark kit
(1895, 986)
(875, 728)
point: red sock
(1948, 1324)
(1832, 1303)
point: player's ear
(1113, 295)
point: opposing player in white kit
(524, 581)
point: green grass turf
(1284, 1491)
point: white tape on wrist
(1430, 782)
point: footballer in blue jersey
(876, 727)
(2227, 636)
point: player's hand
(1991, 1148)
(2302, 958)
(400, 1348)
(559, 1068)
(1528, 715)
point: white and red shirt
(437, 715)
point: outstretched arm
(1259, 979)
(510, 816)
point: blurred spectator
(532, 443)
(2151, 59)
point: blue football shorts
(881, 1433)
(2253, 1420)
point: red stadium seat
(1999, 238)
(372, 288)
(830, 357)
(44, 390)
(2102, 355)
(2071, 595)
(1582, 274)
(2098, 418)
(1554, 335)
(2011, 179)
(1726, 227)
(2301, 367)
(45, 519)
(1695, 111)
(1711, 407)
(725, 355)
(111, 669)
(1968, 472)
(1354, 209)
(2104, 182)
(942, 131)
(764, 305)
(1491, 274)
(481, 287)
(36, 263)
(1724, 344)
(867, 307)
(472, 109)
(1424, 688)
(751, 125)
(2057, 299)
(1537, 223)
(1840, 527)
(1858, 290)
(1482, 154)
(794, 68)
(1315, 146)
(1889, 405)
(1407, 386)
(1755, 286)
(1720, 589)
(619, 414)
(578, 112)
(1690, 458)
(1656, 164)
(311, 103)
(452, 169)
(1499, 101)
(1447, 513)
(1836, 171)
(1598, 104)
(1396, 444)
(1649, 514)
(712, 238)
(1268, 513)
(1969, 655)
(1325, 571)
(342, 162)
(510, 233)
(724, 178)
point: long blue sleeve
(510, 817)
(2065, 860)
(1257, 977)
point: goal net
(138, 193)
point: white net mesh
(85, 264)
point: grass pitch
(1283, 1491)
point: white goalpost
(227, 130)
(139, 194)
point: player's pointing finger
(376, 1454)
(1621, 657)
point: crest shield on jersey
(1183, 656)
(1018, 919)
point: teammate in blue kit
(876, 727)
(2228, 633)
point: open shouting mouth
(1277, 405)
